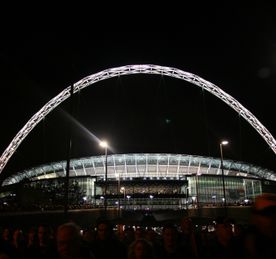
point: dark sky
(234, 48)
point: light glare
(103, 144)
(224, 142)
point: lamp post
(187, 197)
(197, 193)
(124, 191)
(128, 203)
(151, 201)
(118, 195)
(104, 145)
(223, 143)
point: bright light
(224, 142)
(104, 144)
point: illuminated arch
(130, 70)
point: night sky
(234, 48)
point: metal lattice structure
(130, 70)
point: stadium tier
(145, 181)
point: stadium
(139, 181)
(143, 182)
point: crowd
(102, 241)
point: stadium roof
(128, 166)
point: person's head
(4, 256)
(31, 235)
(43, 234)
(150, 234)
(129, 232)
(17, 235)
(223, 229)
(170, 236)
(186, 225)
(264, 214)
(140, 249)
(68, 240)
(139, 233)
(88, 235)
(6, 234)
(104, 229)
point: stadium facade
(148, 181)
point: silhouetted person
(106, 245)
(188, 238)
(260, 240)
(223, 244)
(139, 233)
(18, 244)
(6, 247)
(43, 244)
(141, 249)
(129, 236)
(4, 256)
(32, 239)
(69, 243)
(170, 247)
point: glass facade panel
(209, 189)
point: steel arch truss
(130, 70)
